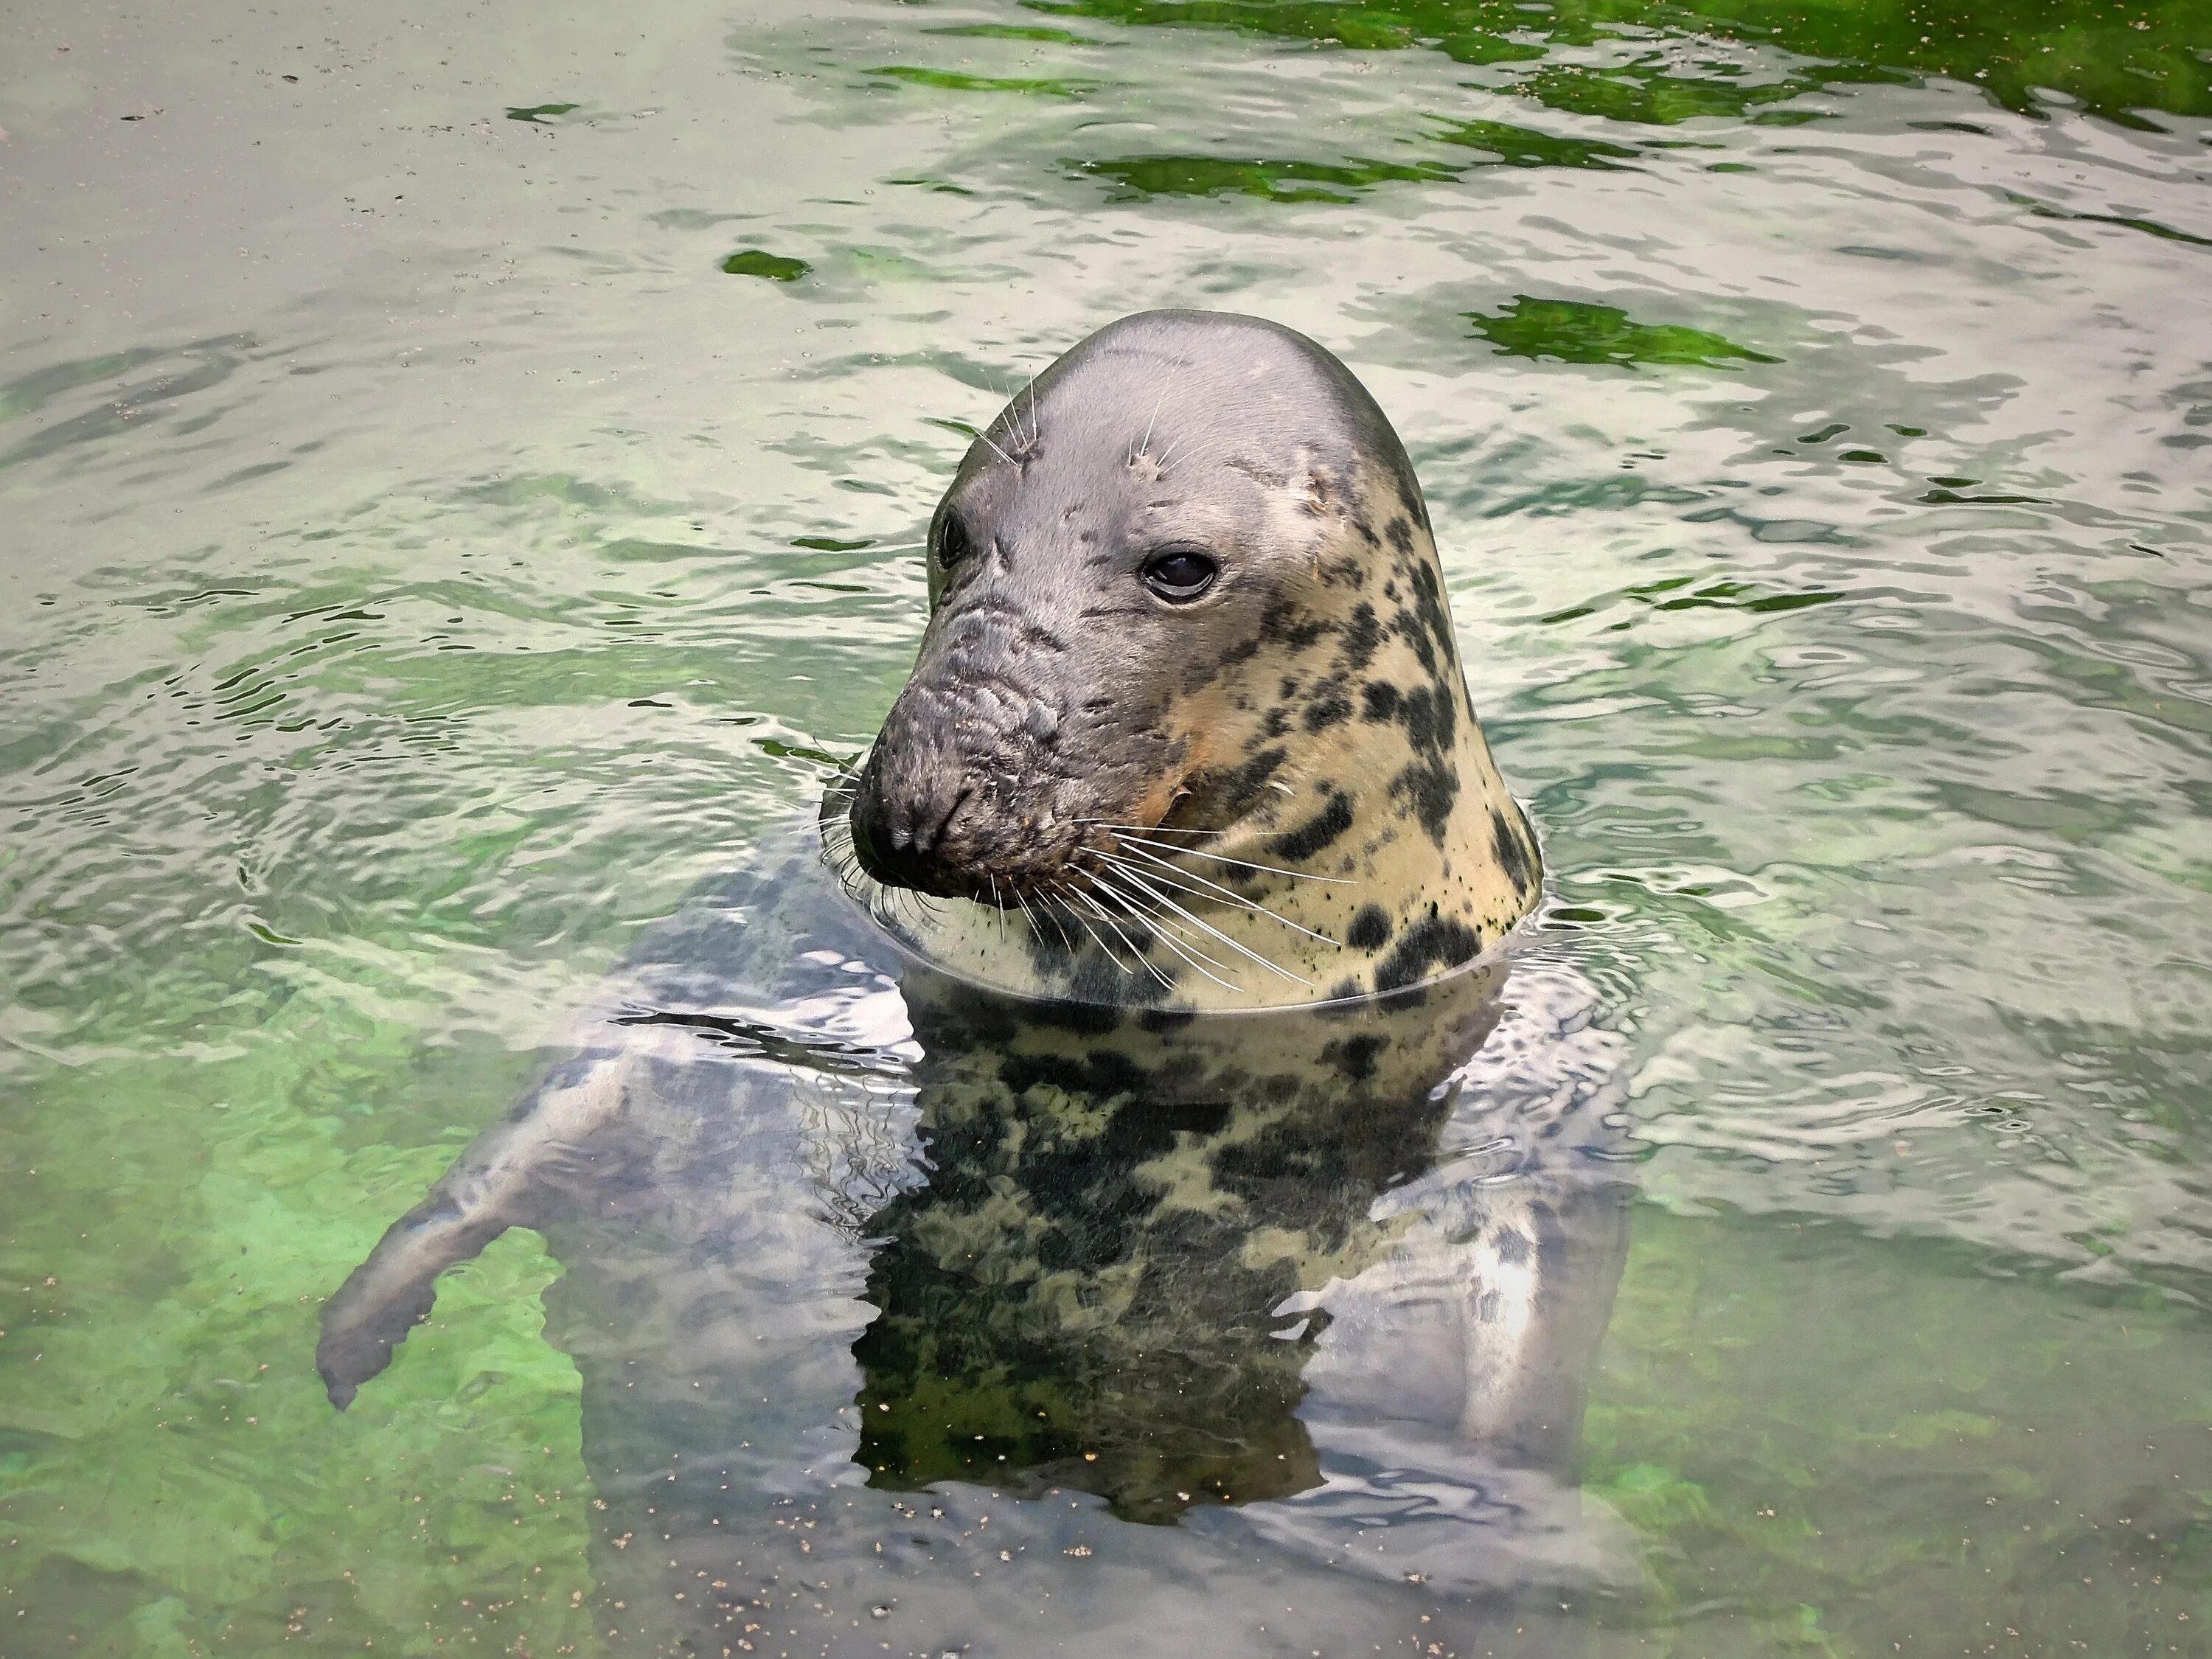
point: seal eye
(1180, 575)
(952, 544)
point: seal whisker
(1012, 414)
(1139, 829)
(1166, 385)
(1100, 911)
(1241, 864)
(1198, 962)
(1186, 944)
(1052, 915)
(1095, 940)
(1171, 931)
(1240, 949)
(1029, 916)
(1156, 868)
(1105, 949)
(1151, 903)
(1190, 451)
(1168, 936)
(1211, 889)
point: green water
(460, 468)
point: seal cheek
(1168, 784)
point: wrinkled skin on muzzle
(1003, 757)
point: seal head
(1189, 705)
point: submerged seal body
(1189, 704)
(890, 1291)
(976, 1187)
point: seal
(1189, 706)
(1154, 1127)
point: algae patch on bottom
(758, 262)
(1574, 332)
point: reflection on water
(463, 475)
(1042, 1251)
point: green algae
(1576, 331)
(758, 262)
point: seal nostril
(929, 843)
(898, 817)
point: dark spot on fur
(1087, 1018)
(1408, 627)
(1096, 978)
(1363, 632)
(1370, 926)
(1105, 1072)
(1416, 509)
(1512, 1246)
(1400, 534)
(1432, 790)
(1354, 1056)
(1239, 787)
(1397, 1001)
(1317, 833)
(1276, 722)
(1331, 708)
(1242, 651)
(1435, 611)
(1382, 701)
(1432, 722)
(1429, 945)
(1513, 854)
(1160, 1020)
(1285, 623)
(1259, 474)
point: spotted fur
(1308, 714)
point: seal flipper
(501, 1180)
(772, 936)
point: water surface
(462, 474)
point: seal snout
(932, 830)
(958, 805)
(903, 815)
